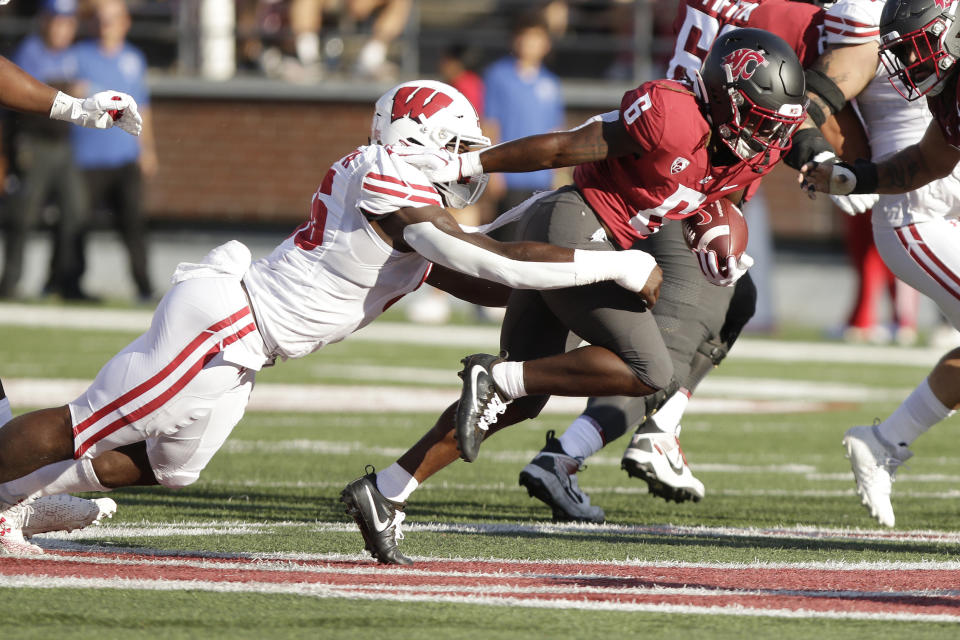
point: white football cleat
(874, 462)
(12, 542)
(66, 513)
(657, 459)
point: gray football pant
(538, 323)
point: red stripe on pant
(161, 399)
(152, 382)
(921, 247)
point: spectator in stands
(115, 164)
(43, 158)
(522, 98)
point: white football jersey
(892, 122)
(334, 274)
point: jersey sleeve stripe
(848, 22)
(393, 180)
(400, 194)
(862, 35)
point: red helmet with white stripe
(437, 116)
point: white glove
(855, 203)
(732, 271)
(827, 173)
(441, 165)
(100, 111)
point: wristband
(65, 107)
(867, 177)
(470, 165)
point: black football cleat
(378, 518)
(480, 404)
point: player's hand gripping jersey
(634, 195)
(335, 274)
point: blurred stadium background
(241, 150)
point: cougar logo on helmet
(416, 102)
(743, 63)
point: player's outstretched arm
(930, 159)
(434, 233)
(22, 92)
(599, 138)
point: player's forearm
(546, 151)
(528, 265)
(22, 92)
(907, 170)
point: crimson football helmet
(437, 116)
(919, 45)
(754, 94)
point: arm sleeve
(587, 267)
(390, 184)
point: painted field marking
(794, 591)
(104, 531)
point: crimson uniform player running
(699, 321)
(669, 149)
(919, 47)
(158, 411)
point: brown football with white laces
(718, 227)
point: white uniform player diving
(159, 410)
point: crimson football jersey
(945, 108)
(699, 22)
(634, 194)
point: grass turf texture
(284, 471)
(188, 614)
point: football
(719, 227)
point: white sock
(69, 476)
(668, 416)
(6, 413)
(508, 376)
(308, 47)
(582, 438)
(371, 55)
(395, 483)
(920, 411)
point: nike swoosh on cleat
(380, 525)
(676, 469)
(474, 374)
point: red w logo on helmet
(743, 63)
(414, 102)
(943, 4)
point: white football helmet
(437, 116)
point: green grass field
(273, 489)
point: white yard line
(479, 337)
(741, 396)
(221, 528)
